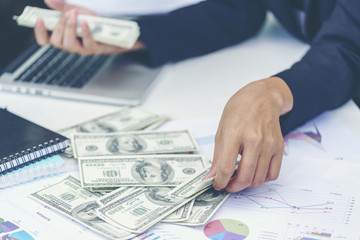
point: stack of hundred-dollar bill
(116, 32)
(131, 178)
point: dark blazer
(325, 78)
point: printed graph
(329, 207)
(7, 229)
(305, 232)
(226, 229)
(6, 226)
(311, 137)
(158, 233)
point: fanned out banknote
(102, 190)
(141, 209)
(132, 210)
(205, 206)
(116, 32)
(127, 119)
(141, 170)
(181, 214)
(110, 197)
(133, 143)
(79, 204)
(192, 186)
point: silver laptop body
(116, 79)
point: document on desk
(324, 136)
(314, 198)
(310, 200)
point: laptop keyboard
(59, 68)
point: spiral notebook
(23, 142)
(47, 167)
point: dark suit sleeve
(200, 29)
(329, 74)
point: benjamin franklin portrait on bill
(86, 212)
(152, 172)
(126, 145)
(209, 197)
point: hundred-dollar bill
(102, 190)
(115, 195)
(193, 186)
(131, 143)
(181, 214)
(127, 119)
(141, 209)
(156, 124)
(205, 206)
(140, 170)
(116, 32)
(70, 199)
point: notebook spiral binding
(48, 167)
(35, 153)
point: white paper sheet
(301, 204)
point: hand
(64, 35)
(250, 126)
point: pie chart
(226, 229)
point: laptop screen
(13, 38)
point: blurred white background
(132, 7)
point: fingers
(56, 38)
(274, 169)
(87, 39)
(226, 160)
(260, 162)
(246, 169)
(261, 170)
(70, 41)
(276, 160)
(41, 34)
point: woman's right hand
(64, 34)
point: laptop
(50, 72)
